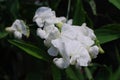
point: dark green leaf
(56, 73)
(54, 4)
(102, 74)
(108, 33)
(3, 34)
(71, 74)
(79, 14)
(115, 3)
(79, 74)
(14, 8)
(93, 6)
(88, 73)
(30, 49)
(116, 75)
(89, 21)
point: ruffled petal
(94, 50)
(53, 51)
(61, 63)
(17, 35)
(41, 33)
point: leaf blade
(116, 3)
(30, 49)
(71, 74)
(56, 72)
(108, 33)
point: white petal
(61, 63)
(17, 35)
(70, 21)
(82, 62)
(60, 45)
(43, 14)
(10, 29)
(52, 20)
(88, 32)
(73, 59)
(94, 51)
(85, 40)
(84, 57)
(40, 12)
(39, 22)
(41, 33)
(19, 26)
(53, 51)
(52, 33)
(61, 19)
(68, 31)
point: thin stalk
(68, 9)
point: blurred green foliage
(101, 15)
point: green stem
(88, 73)
(68, 9)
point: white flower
(75, 45)
(19, 28)
(48, 33)
(45, 16)
(42, 14)
(72, 52)
(61, 62)
(76, 33)
(41, 33)
(17, 35)
(88, 32)
(94, 50)
(53, 51)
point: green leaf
(56, 72)
(79, 15)
(102, 74)
(3, 34)
(71, 74)
(54, 4)
(14, 8)
(79, 74)
(89, 21)
(116, 75)
(88, 73)
(117, 53)
(108, 33)
(31, 49)
(93, 6)
(115, 3)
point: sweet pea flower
(42, 14)
(88, 32)
(94, 50)
(48, 33)
(61, 62)
(77, 33)
(18, 28)
(72, 52)
(75, 45)
(45, 16)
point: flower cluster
(75, 44)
